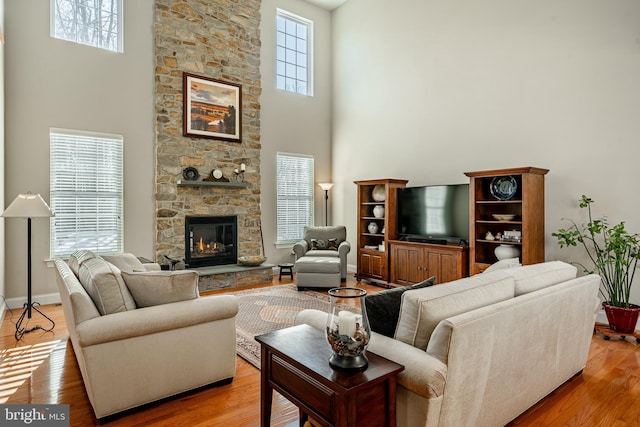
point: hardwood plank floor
(41, 368)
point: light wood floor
(42, 369)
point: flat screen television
(434, 213)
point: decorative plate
(190, 174)
(503, 187)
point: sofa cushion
(104, 284)
(502, 264)
(125, 262)
(77, 258)
(532, 277)
(422, 309)
(161, 287)
(383, 308)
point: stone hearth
(233, 276)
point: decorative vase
(378, 193)
(372, 227)
(622, 319)
(378, 211)
(506, 251)
(348, 332)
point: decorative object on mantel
(190, 174)
(216, 176)
(212, 108)
(377, 194)
(347, 332)
(614, 253)
(239, 173)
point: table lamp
(29, 206)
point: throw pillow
(332, 244)
(318, 244)
(125, 262)
(103, 282)
(383, 308)
(151, 288)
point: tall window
(96, 23)
(86, 192)
(294, 196)
(294, 53)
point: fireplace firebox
(210, 240)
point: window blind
(86, 192)
(294, 196)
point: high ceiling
(327, 4)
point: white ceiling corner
(327, 4)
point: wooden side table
(295, 362)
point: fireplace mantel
(212, 184)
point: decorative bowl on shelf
(251, 260)
(503, 217)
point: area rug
(269, 309)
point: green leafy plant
(613, 251)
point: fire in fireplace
(210, 240)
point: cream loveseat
(140, 336)
(481, 350)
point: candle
(243, 167)
(235, 171)
(346, 323)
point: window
(294, 196)
(96, 23)
(86, 192)
(293, 53)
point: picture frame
(212, 108)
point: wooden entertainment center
(385, 259)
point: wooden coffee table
(295, 362)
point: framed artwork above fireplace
(212, 108)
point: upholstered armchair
(325, 241)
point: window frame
(100, 190)
(281, 13)
(118, 30)
(282, 242)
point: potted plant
(614, 253)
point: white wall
(2, 113)
(54, 83)
(290, 122)
(428, 89)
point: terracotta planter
(622, 319)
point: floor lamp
(326, 186)
(29, 206)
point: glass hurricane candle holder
(348, 330)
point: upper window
(294, 199)
(95, 23)
(86, 192)
(294, 53)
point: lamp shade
(28, 206)
(326, 186)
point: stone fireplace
(210, 240)
(219, 40)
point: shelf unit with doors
(518, 194)
(377, 209)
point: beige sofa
(156, 341)
(482, 350)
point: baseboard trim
(43, 299)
